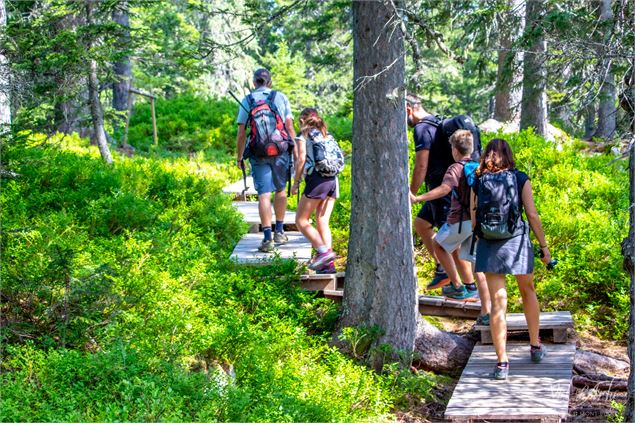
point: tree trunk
(441, 351)
(589, 122)
(5, 104)
(383, 287)
(93, 98)
(534, 103)
(628, 251)
(123, 67)
(607, 111)
(508, 76)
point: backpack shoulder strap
(435, 121)
(251, 101)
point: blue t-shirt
(261, 93)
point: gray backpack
(325, 154)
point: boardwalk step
(532, 391)
(249, 210)
(246, 251)
(317, 282)
(558, 321)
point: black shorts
(435, 211)
(320, 187)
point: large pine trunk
(382, 290)
(5, 106)
(607, 113)
(534, 103)
(628, 250)
(123, 67)
(96, 112)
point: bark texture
(381, 284)
(96, 112)
(628, 251)
(607, 111)
(5, 105)
(534, 103)
(508, 77)
(123, 67)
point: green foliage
(119, 277)
(187, 123)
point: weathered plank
(246, 251)
(321, 282)
(249, 210)
(558, 321)
(532, 390)
(441, 306)
(237, 187)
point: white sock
(322, 249)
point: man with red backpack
(269, 148)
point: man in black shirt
(433, 156)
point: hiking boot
(321, 260)
(501, 371)
(482, 320)
(537, 354)
(440, 279)
(460, 293)
(327, 269)
(280, 238)
(266, 246)
(449, 289)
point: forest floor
(585, 404)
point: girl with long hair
(319, 194)
(512, 254)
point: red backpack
(268, 135)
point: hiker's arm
(419, 171)
(289, 123)
(439, 192)
(300, 149)
(241, 137)
(534, 221)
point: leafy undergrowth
(119, 303)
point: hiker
(433, 156)
(319, 161)
(269, 150)
(504, 248)
(455, 235)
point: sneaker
(537, 354)
(501, 371)
(320, 260)
(472, 293)
(266, 246)
(482, 320)
(460, 293)
(327, 269)
(280, 238)
(440, 279)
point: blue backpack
(463, 192)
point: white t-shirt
(261, 93)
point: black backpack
(450, 125)
(498, 212)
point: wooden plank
(237, 187)
(430, 305)
(316, 282)
(249, 210)
(548, 320)
(246, 251)
(531, 391)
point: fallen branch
(599, 381)
(588, 363)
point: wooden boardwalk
(249, 210)
(237, 188)
(533, 391)
(246, 251)
(558, 321)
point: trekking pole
(239, 102)
(242, 167)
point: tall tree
(508, 77)
(534, 103)
(382, 290)
(123, 66)
(96, 111)
(5, 107)
(607, 111)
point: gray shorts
(449, 237)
